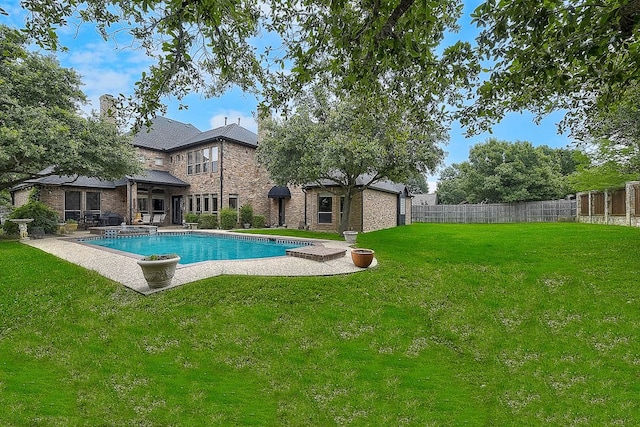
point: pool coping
(124, 269)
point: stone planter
(350, 236)
(70, 227)
(158, 270)
(362, 257)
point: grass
(505, 325)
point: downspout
(130, 188)
(221, 176)
(362, 210)
(304, 190)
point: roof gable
(167, 135)
(163, 134)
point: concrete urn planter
(362, 257)
(158, 270)
(350, 236)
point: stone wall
(154, 159)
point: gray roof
(430, 199)
(157, 177)
(386, 185)
(232, 132)
(72, 181)
(167, 135)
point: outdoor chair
(146, 219)
(158, 219)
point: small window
(325, 209)
(190, 163)
(198, 203)
(190, 203)
(71, 205)
(233, 201)
(214, 203)
(198, 155)
(205, 202)
(205, 160)
(214, 159)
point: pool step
(317, 253)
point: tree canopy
(576, 55)
(346, 143)
(500, 171)
(365, 47)
(40, 124)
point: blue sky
(107, 67)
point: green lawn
(505, 325)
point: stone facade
(599, 207)
(176, 183)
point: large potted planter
(158, 270)
(350, 236)
(71, 225)
(362, 257)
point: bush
(258, 221)
(42, 216)
(246, 214)
(191, 217)
(228, 219)
(208, 221)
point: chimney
(225, 120)
(238, 121)
(108, 108)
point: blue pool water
(197, 247)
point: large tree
(576, 55)
(346, 144)
(366, 47)
(500, 171)
(41, 126)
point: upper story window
(159, 161)
(202, 160)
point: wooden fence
(547, 211)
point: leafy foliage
(228, 218)
(40, 126)
(333, 141)
(246, 214)
(365, 47)
(575, 55)
(258, 221)
(208, 221)
(499, 171)
(42, 216)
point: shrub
(258, 221)
(208, 221)
(228, 218)
(246, 214)
(191, 217)
(42, 216)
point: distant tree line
(502, 172)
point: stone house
(187, 170)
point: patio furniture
(146, 219)
(158, 219)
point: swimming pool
(198, 247)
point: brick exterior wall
(380, 210)
(293, 210)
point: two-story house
(187, 170)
